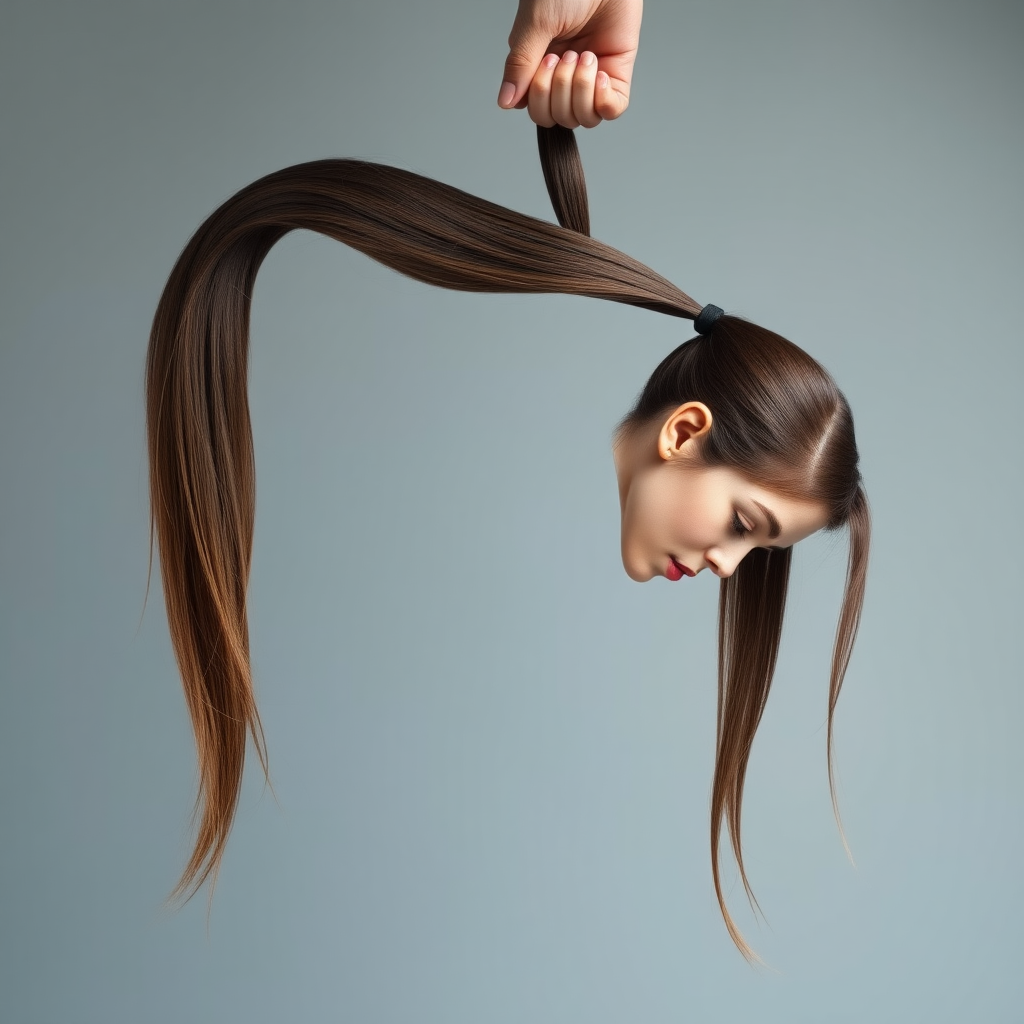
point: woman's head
(738, 440)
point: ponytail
(202, 478)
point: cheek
(650, 515)
(700, 521)
(681, 516)
(688, 510)
(673, 514)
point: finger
(539, 100)
(526, 47)
(583, 84)
(611, 96)
(561, 90)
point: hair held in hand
(779, 419)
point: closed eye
(738, 526)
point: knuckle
(612, 108)
(518, 60)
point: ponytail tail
(202, 480)
(202, 505)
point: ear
(690, 422)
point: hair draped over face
(778, 418)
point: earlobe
(688, 422)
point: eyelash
(737, 525)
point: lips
(683, 569)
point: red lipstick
(676, 570)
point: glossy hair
(780, 421)
(778, 418)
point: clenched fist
(571, 61)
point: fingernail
(602, 80)
(587, 59)
(569, 57)
(508, 90)
(550, 60)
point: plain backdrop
(491, 750)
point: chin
(635, 574)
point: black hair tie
(706, 318)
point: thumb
(527, 46)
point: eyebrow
(773, 524)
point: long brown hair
(778, 418)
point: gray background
(492, 750)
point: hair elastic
(706, 318)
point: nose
(721, 564)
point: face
(675, 510)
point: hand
(571, 92)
